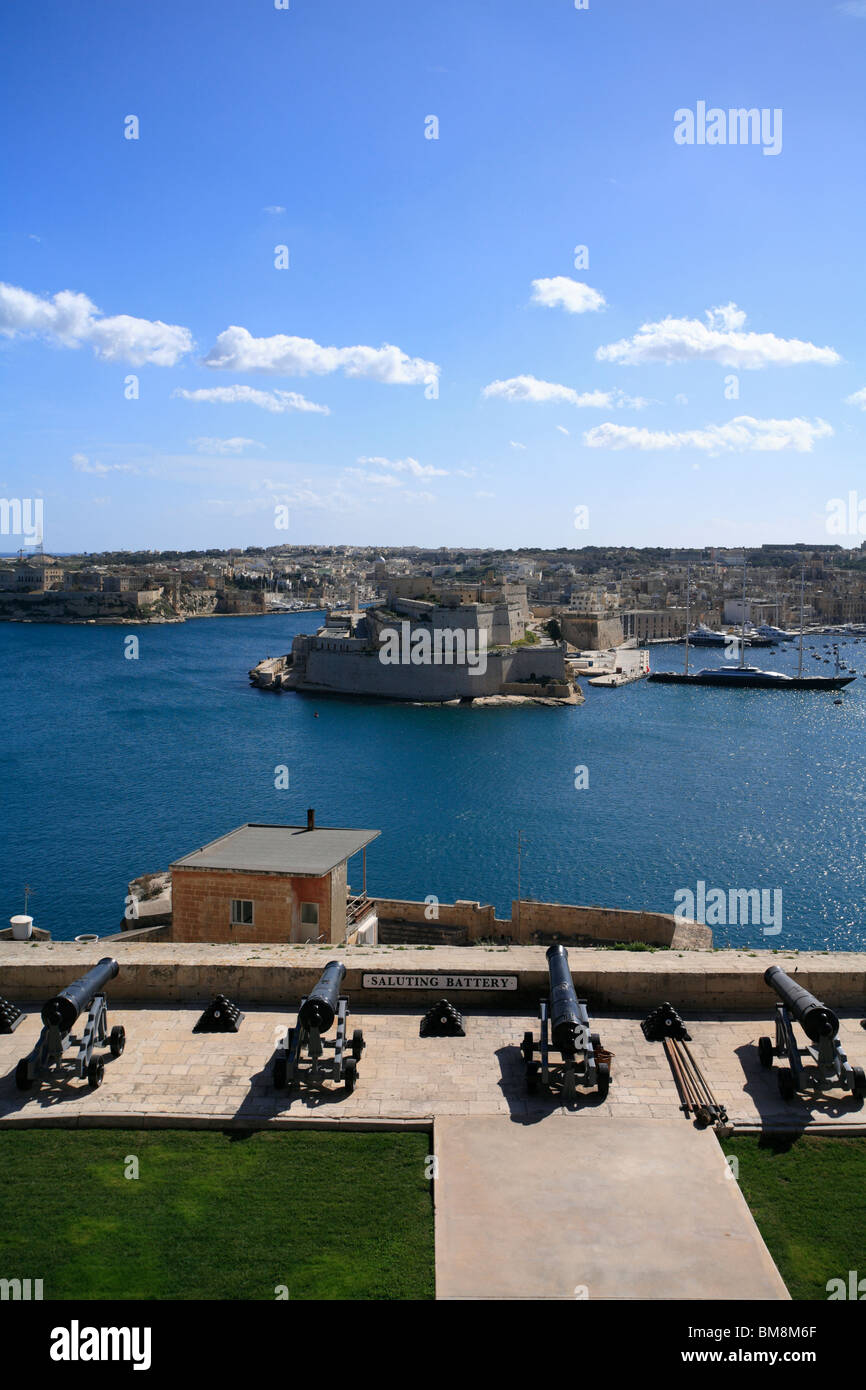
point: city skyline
(358, 273)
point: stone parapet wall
(607, 924)
(473, 918)
(698, 981)
(560, 921)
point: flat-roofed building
(654, 624)
(274, 883)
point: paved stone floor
(167, 1070)
(636, 1208)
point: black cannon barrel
(320, 1005)
(565, 1016)
(65, 1007)
(816, 1020)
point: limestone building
(274, 883)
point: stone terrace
(169, 1074)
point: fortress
(428, 642)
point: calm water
(113, 767)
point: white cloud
(237, 350)
(82, 464)
(299, 495)
(236, 445)
(562, 293)
(718, 340)
(529, 388)
(858, 398)
(744, 434)
(70, 319)
(274, 208)
(726, 317)
(562, 429)
(515, 444)
(378, 479)
(681, 399)
(418, 497)
(856, 8)
(407, 465)
(278, 402)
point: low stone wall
(553, 921)
(554, 690)
(161, 931)
(71, 605)
(699, 981)
(607, 924)
(478, 922)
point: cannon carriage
(59, 1016)
(821, 1026)
(565, 1028)
(303, 1057)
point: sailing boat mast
(802, 609)
(688, 594)
(743, 617)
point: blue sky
(514, 390)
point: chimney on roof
(311, 819)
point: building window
(309, 914)
(242, 912)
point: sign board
(439, 980)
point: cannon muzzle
(816, 1020)
(320, 1006)
(566, 1018)
(65, 1007)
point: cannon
(565, 1027)
(821, 1027)
(59, 1016)
(305, 1044)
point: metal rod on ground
(718, 1110)
(701, 1086)
(692, 1087)
(679, 1081)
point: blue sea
(113, 767)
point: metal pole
(519, 834)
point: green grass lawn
(217, 1216)
(808, 1197)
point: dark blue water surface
(112, 767)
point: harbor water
(112, 767)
